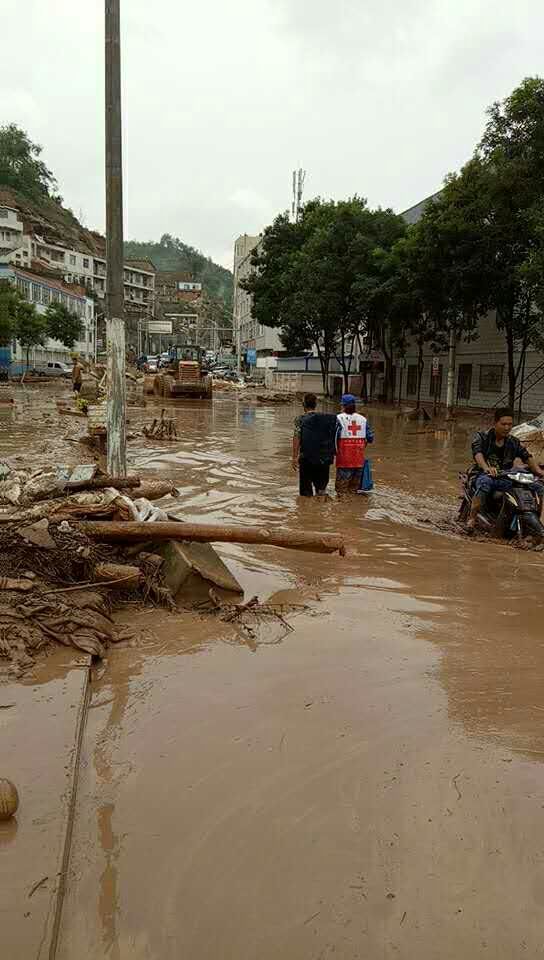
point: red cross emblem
(354, 428)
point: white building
(42, 291)
(25, 245)
(248, 333)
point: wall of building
(40, 291)
(483, 362)
(75, 266)
(265, 340)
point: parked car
(152, 365)
(54, 368)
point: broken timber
(134, 532)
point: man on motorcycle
(495, 451)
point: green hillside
(171, 254)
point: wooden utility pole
(115, 324)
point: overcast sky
(223, 98)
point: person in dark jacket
(495, 451)
(314, 442)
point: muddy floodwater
(369, 785)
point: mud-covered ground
(369, 785)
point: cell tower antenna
(299, 179)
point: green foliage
(172, 255)
(318, 279)
(9, 304)
(30, 327)
(21, 168)
(62, 325)
(486, 229)
(344, 270)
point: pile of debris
(73, 539)
(161, 429)
(57, 584)
(276, 397)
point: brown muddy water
(370, 785)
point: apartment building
(248, 333)
(41, 290)
(29, 244)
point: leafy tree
(376, 291)
(62, 325)
(9, 302)
(512, 149)
(21, 167)
(30, 328)
(486, 229)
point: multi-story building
(31, 243)
(248, 333)
(42, 290)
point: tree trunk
(133, 532)
(522, 384)
(420, 366)
(450, 394)
(324, 360)
(511, 367)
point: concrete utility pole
(115, 325)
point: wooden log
(132, 532)
(155, 489)
(100, 483)
(119, 575)
(24, 586)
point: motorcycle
(509, 514)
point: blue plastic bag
(367, 483)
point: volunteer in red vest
(351, 439)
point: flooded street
(369, 785)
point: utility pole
(450, 391)
(115, 324)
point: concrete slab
(41, 725)
(181, 559)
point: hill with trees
(29, 185)
(170, 254)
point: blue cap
(347, 399)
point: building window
(411, 380)
(72, 260)
(464, 381)
(85, 263)
(23, 287)
(36, 292)
(4, 214)
(491, 375)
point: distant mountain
(172, 255)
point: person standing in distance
(77, 376)
(353, 434)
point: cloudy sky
(223, 98)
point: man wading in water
(313, 448)
(354, 433)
